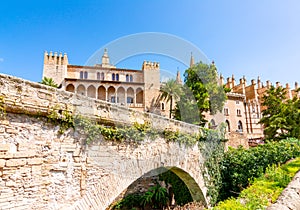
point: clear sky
(251, 38)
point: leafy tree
(170, 91)
(186, 108)
(281, 117)
(207, 94)
(49, 81)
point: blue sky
(251, 38)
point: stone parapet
(22, 96)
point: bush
(265, 189)
(240, 165)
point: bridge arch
(116, 167)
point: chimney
(258, 83)
(278, 84)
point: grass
(264, 190)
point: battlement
(231, 83)
(55, 59)
(148, 65)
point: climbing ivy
(63, 118)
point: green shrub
(265, 189)
(241, 165)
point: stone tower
(151, 71)
(55, 66)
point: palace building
(139, 89)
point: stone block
(36, 170)
(11, 131)
(2, 163)
(35, 161)
(4, 147)
(10, 183)
(15, 162)
(24, 154)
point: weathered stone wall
(24, 96)
(40, 169)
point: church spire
(192, 61)
(178, 78)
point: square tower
(55, 66)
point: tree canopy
(202, 91)
(170, 91)
(49, 82)
(281, 118)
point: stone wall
(24, 96)
(290, 197)
(41, 169)
(38, 168)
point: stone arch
(102, 93)
(194, 189)
(121, 95)
(111, 94)
(91, 91)
(81, 90)
(182, 161)
(70, 88)
(130, 96)
(139, 96)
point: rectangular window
(226, 111)
(238, 112)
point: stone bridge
(42, 169)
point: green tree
(170, 91)
(186, 108)
(49, 82)
(202, 80)
(281, 117)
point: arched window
(113, 77)
(117, 77)
(85, 75)
(240, 126)
(127, 78)
(227, 126)
(162, 106)
(81, 75)
(98, 76)
(102, 76)
(130, 78)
